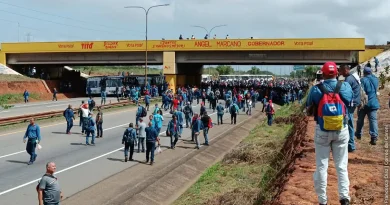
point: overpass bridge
(182, 60)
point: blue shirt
(315, 94)
(158, 119)
(179, 116)
(147, 99)
(68, 114)
(139, 111)
(355, 85)
(33, 131)
(220, 109)
(197, 126)
(129, 135)
(26, 94)
(151, 134)
(171, 128)
(370, 85)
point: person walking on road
(331, 135)
(207, 124)
(91, 104)
(26, 94)
(147, 101)
(158, 121)
(173, 131)
(233, 110)
(90, 129)
(180, 120)
(196, 127)
(370, 86)
(69, 116)
(141, 112)
(99, 122)
(32, 137)
(354, 82)
(48, 188)
(220, 112)
(55, 94)
(188, 113)
(151, 138)
(141, 135)
(249, 103)
(129, 138)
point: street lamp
(207, 32)
(146, 34)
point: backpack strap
(338, 87)
(322, 88)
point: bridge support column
(2, 58)
(169, 69)
(189, 73)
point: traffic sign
(299, 67)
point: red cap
(329, 68)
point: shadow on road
(77, 144)
(186, 147)
(59, 133)
(18, 162)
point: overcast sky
(109, 20)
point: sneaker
(30, 163)
(125, 159)
(344, 202)
(131, 159)
(87, 143)
(373, 141)
(147, 161)
(151, 163)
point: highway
(46, 106)
(78, 166)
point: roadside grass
(57, 119)
(8, 78)
(244, 172)
(115, 70)
(6, 99)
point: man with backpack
(354, 82)
(233, 110)
(69, 116)
(370, 86)
(188, 113)
(207, 124)
(220, 112)
(90, 129)
(141, 112)
(129, 139)
(329, 100)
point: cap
(329, 68)
(367, 70)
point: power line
(65, 17)
(61, 23)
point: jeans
(147, 106)
(25, 99)
(196, 138)
(90, 132)
(150, 147)
(372, 122)
(220, 118)
(137, 119)
(99, 127)
(206, 135)
(337, 143)
(69, 125)
(351, 142)
(269, 121)
(249, 111)
(188, 121)
(131, 146)
(84, 123)
(176, 136)
(81, 121)
(233, 117)
(141, 143)
(54, 97)
(30, 148)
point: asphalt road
(46, 106)
(78, 166)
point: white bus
(110, 82)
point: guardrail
(51, 114)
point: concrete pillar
(169, 69)
(2, 58)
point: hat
(329, 68)
(367, 70)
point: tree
(254, 71)
(224, 69)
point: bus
(139, 80)
(109, 82)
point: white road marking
(37, 104)
(12, 154)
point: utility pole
(28, 37)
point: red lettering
(134, 45)
(303, 43)
(65, 45)
(229, 44)
(111, 44)
(266, 43)
(202, 44)
(86, 46)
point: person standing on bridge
(32, 137)
(49, 191)
(69, 116)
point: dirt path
(366, 168)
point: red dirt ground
(365, 168)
